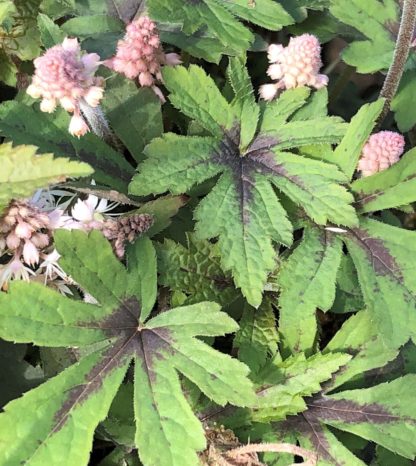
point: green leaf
(257, 338)
(348, 152)
(265, 13)
(87, 26)
(378, 414)
(389, 188)
(57, 8)
(244, 101)
(194, 270)
(134, 115)
(50, 33)
(378, 21)
(208, 13)
(404, 102)
(208, 108)
(162, 209)
(64, 412)
(242, 210)
(142, 281)
(23, 171)
(22, 124)
(285, 384)
(382, 256)
(307, 282)
(360, 336)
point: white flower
(92, 209)
(336, 229)
(14, 270)
(268, 91)
(52, 268)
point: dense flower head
(382, 150)
(24, 230)
(296, 65)
(140, 55)
(65, 76)
(126, 229)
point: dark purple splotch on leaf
(128, 339)
(382, 261)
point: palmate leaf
(220, 20)
(380, 413)
(378, 21)
(242, 210)
(64, 412)
(23, 171)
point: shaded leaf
(75, 401)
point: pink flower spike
(64, 74)
(139, 54)
(296, 65)
(382, 150)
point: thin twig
(401, 52)
(311, 457)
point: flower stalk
(401, 52)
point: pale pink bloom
(140, 55)
(296, 65)
(77, 126)
(268, 91)
(23, 230)
(65, 76)
(382, 150)
(30, 253)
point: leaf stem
(401, 52)
(311, 457)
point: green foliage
(242, 209)
(255, 206)
(215, 25)
(23, 171)
(81, 395)
(376, 20)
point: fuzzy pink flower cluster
(296, 65)
(140, 55)
(66, 76)
(382, 150)
(24, 230)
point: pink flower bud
(77, 126)
(296, 65)
(30, 253)
(12, 241)
(94, 95)
(23, 230)
(382, 150)
(268, 91)
(48, 105)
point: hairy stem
(99, 125)
(311, 457)
(401, 52)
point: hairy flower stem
(99, 125)
(401, 52)
(311, 457)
